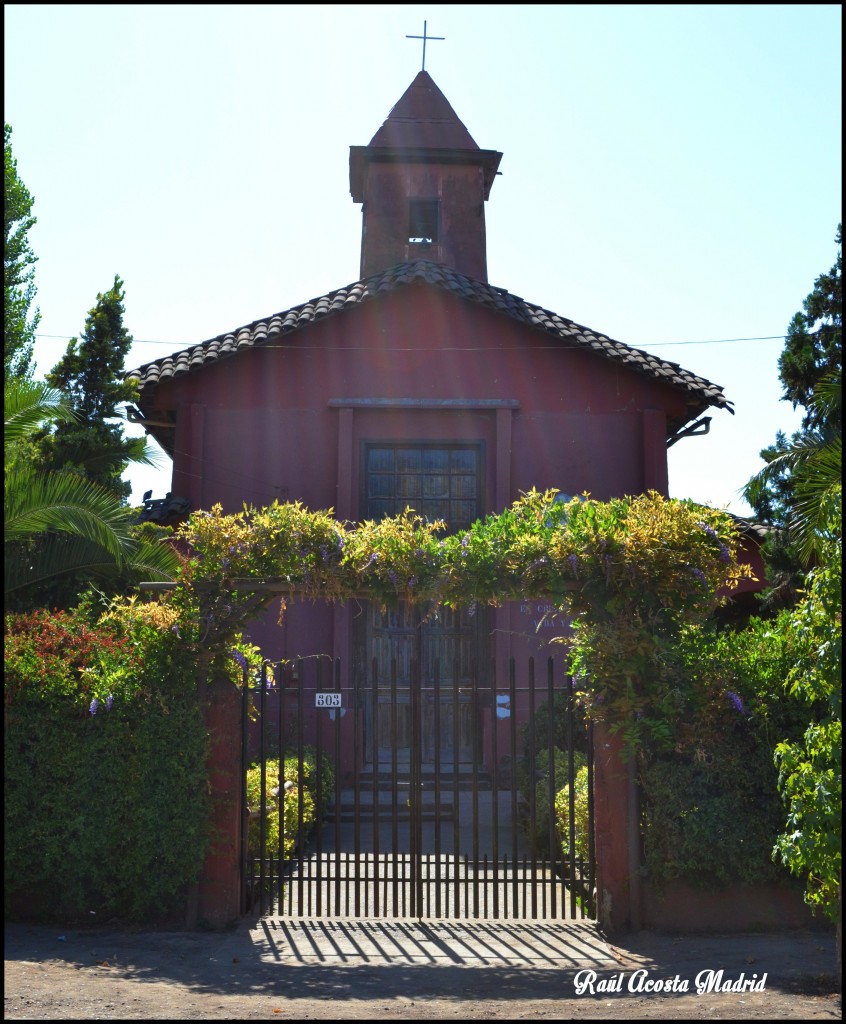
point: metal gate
(449, 827)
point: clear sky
(671, 174)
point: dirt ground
(409, 971)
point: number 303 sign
(327, 700)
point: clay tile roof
(701, 393)
(757, 531)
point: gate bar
(338, 715)
(437, 755)
(512, 685)
(551, 790)
(394, 790)
(494, 793)
(375, 724)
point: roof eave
(361, 156)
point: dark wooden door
(439, 481)
(445, 649)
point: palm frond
(65, 502)
(27, 405)
(53, 556)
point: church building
(420, 384)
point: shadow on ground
(370, 960)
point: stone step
(387, 807)
(385, 780)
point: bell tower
(423, 183)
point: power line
(181, 346)
(716, 341)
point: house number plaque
(327, 700)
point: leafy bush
(539, 836)
(580, 816)
(289, 798)
(559, 724)
(811, 769)
(710, 808)
(106, 798)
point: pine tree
(18, 271)
(90, 373)
(814, 346)
(801, 472)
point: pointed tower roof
(422, 127)
(423, 118)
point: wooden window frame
(477, 445)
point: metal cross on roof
(424, 37)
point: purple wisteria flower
(709, 530)
(109, 701)
(725, 556)
(699, 574)
(224, 564)
(738, 703)
(92, 707)
(175, 629)
(240, 659)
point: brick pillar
(219, 891)
(615, 911)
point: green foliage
(813, 347)
(543, 811)
(646, 568)
(506, 555)
(792, 490)
(91, 374)
(581, 816)
(18, 270)
(106, 804)
(802, 480)
(810, 769)
(398, 558)
(58, 523)
(710, 808)
(632, 569)
(771, 494)
(303, 779)
(556, 719)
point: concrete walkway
(307, 969)
(544, 945)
